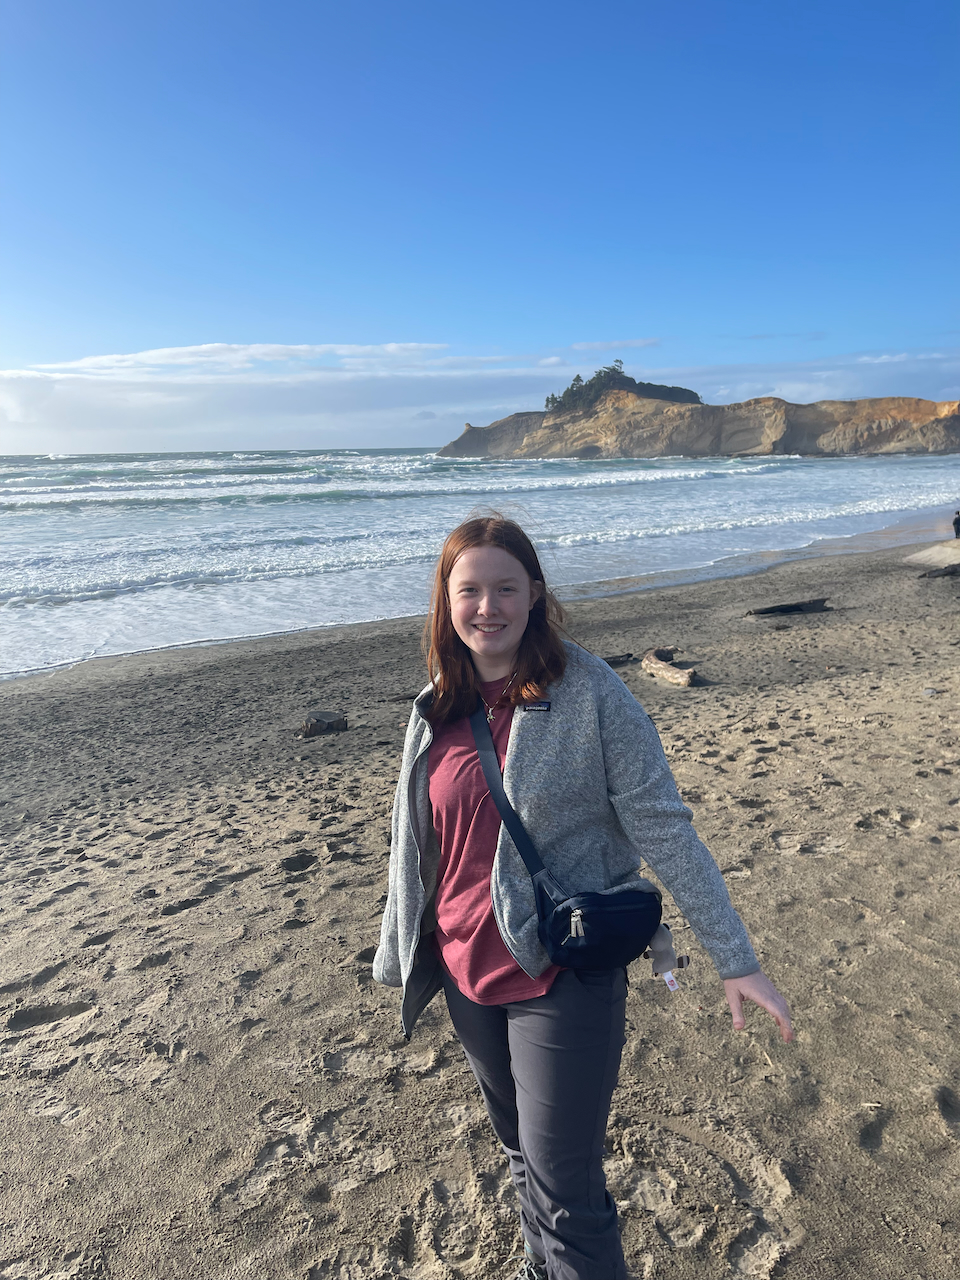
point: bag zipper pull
(576, 923)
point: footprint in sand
(98, 939)
(52, 1106)
(226, 878)
(452, 1233)
(297, 1140)
(455, 1229)
(948, 1104)
(297, 862)
(152, 961)
(703, 1191)
(249, 978)
(341, 1267)
(175, 908)
(30, 1016)
(37, 980)
(354, 1060)
(870, 1137)
(79, 1264)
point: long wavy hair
(541, 658)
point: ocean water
(108, 554)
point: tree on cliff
(581, 396)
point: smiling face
(491, 595)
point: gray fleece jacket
(592, 786)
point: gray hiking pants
(547, 1069)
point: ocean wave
(185, 578)
(799, 518)
(330, 489)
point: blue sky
(299, 223)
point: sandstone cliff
(625, 425)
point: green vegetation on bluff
(581, 396)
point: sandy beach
(200, 1078)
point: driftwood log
(318, 722)
(659, 662)
(945, 571)
(801, 606)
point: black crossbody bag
(583, 931)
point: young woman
(583, 767)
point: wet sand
(201, 1079)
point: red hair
(541, 658)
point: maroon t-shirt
(468, 827)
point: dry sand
(200, 1078)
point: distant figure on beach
(576, 770)
(956, 525)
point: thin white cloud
(231, 357)
(467, 362)
(257, 361)
(615, 346)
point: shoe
(532, 1269)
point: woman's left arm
(645, 797)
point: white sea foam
(107, 554)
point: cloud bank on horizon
(387, 395)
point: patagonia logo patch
(537, 706)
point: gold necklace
(492, 710)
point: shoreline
(917, 527)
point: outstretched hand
(758, 988)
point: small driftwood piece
(659, 662)
(946, 571)
(318, 722)
(620, 660)
(801, 606)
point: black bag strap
(491, 772)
